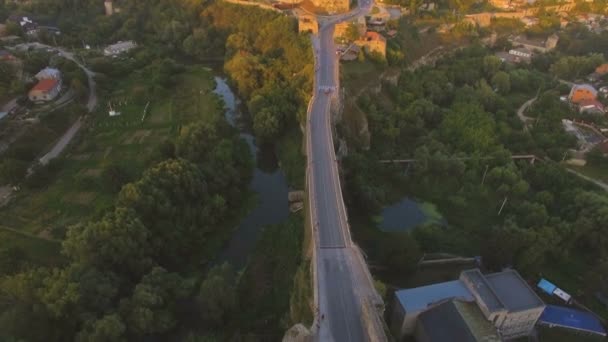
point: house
(119, 48)
(48, 73)
(591, 107)
(582, 92)
(602, 69)
(45, 90)
(515, 56)
(524, 53)
(373, 42)
(536, 44)
(478, 307)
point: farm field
(109, 151)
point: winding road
(349, 307)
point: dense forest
(458, 121)
(144, 269)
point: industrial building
(493, 307)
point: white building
(118, 48)
(48, 73)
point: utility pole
(483, 179)
(503, 205)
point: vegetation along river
(268, 182)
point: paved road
(62, 143)
(344, 284)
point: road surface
(62, 143)
(343, 282)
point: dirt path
(28, 235)
(599, 183)
(520, 112)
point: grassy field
(127, 142)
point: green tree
(352, 32)
(173, 201)
(217, 297)
(400, 253)
(469, 128)
(109, 328)
(266, 124)
(152, 307)
(491, 65)
(501, 82)
(118, 243)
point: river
(269, 184)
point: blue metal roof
(572, 319)
(420, 298)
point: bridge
(348, 305)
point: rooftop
(457, 321)
(584, 87)
(483, 288)
(420, 298)
(571, 319)
(520, 40)
(45, 85)
(444, 323)
(513, 291)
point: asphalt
(342, 279)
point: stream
(269, 184)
